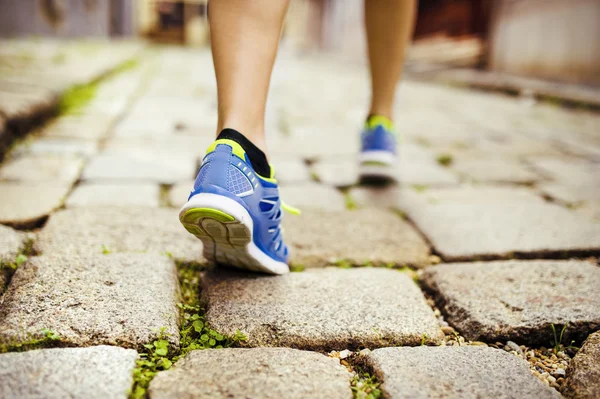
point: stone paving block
(78, 373)
(310, 195)
(92, 127)
(116, 299)
(58, 146)
(42, 168)
(26, 203)
(319, 238)
(179, 193)
(567, 170)
(290, 170)
(117, 194)
(455, 372)
(426, 173)
(345, 172)
(583, 374)
(340, 173)
(572, 193)
(140, 166)
(321, 309)
(11, 242)
(590, 209)
(83, 230)
(518, 300)
(172, 146)
(497, 229)
(314, 143)
(494, 169)
(259, 373)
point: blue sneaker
(236, 212)
(378, 154)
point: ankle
(255, 132)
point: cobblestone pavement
(476, 276)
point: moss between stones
(77, 97)
(195, 333)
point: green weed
(365, 386)
(49, 338)
(558, 338)
(195, 333)
(445, 159)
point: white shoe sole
(378, 165)
(225, 229)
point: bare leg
(244, 38)
(389, 25)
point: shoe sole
(225, 229)
(377, 168)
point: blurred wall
(553, 39)
(66, 18)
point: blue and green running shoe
(378, 155)
(236, 212)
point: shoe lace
(290, 209)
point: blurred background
(550, 39)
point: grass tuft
(365, 386)
(445, 159)
(195, 333)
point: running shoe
(236, 212)
(378, 156)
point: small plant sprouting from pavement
(424, 339)
(149, 363)
(79, 96)
(297, 267)
(419, 187)
(558, 339)
(343, 264)
(195, 333)
(50, 338)
(365, 386)
(445, 159)
(105, 250)
(19, 259)
(350, 203)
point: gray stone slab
(42, 168)
(26, 203)
(322, 309)
(568, 170)
(58, 146)
(336, 172)
(140, 166)
(174, 145)
(571, 193)
(478, 228)
(11, 242)
(86, 373)
(82, 230)
(455, 372)
(116, 299)
(494, 169)
(260, 373)
(116, 194)
(590, 209)
(310, 195)
(91, 127)
(290, 170)
(518, 300)
(345, 172)
(378, 237)
(583, 374)
(179, 193)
